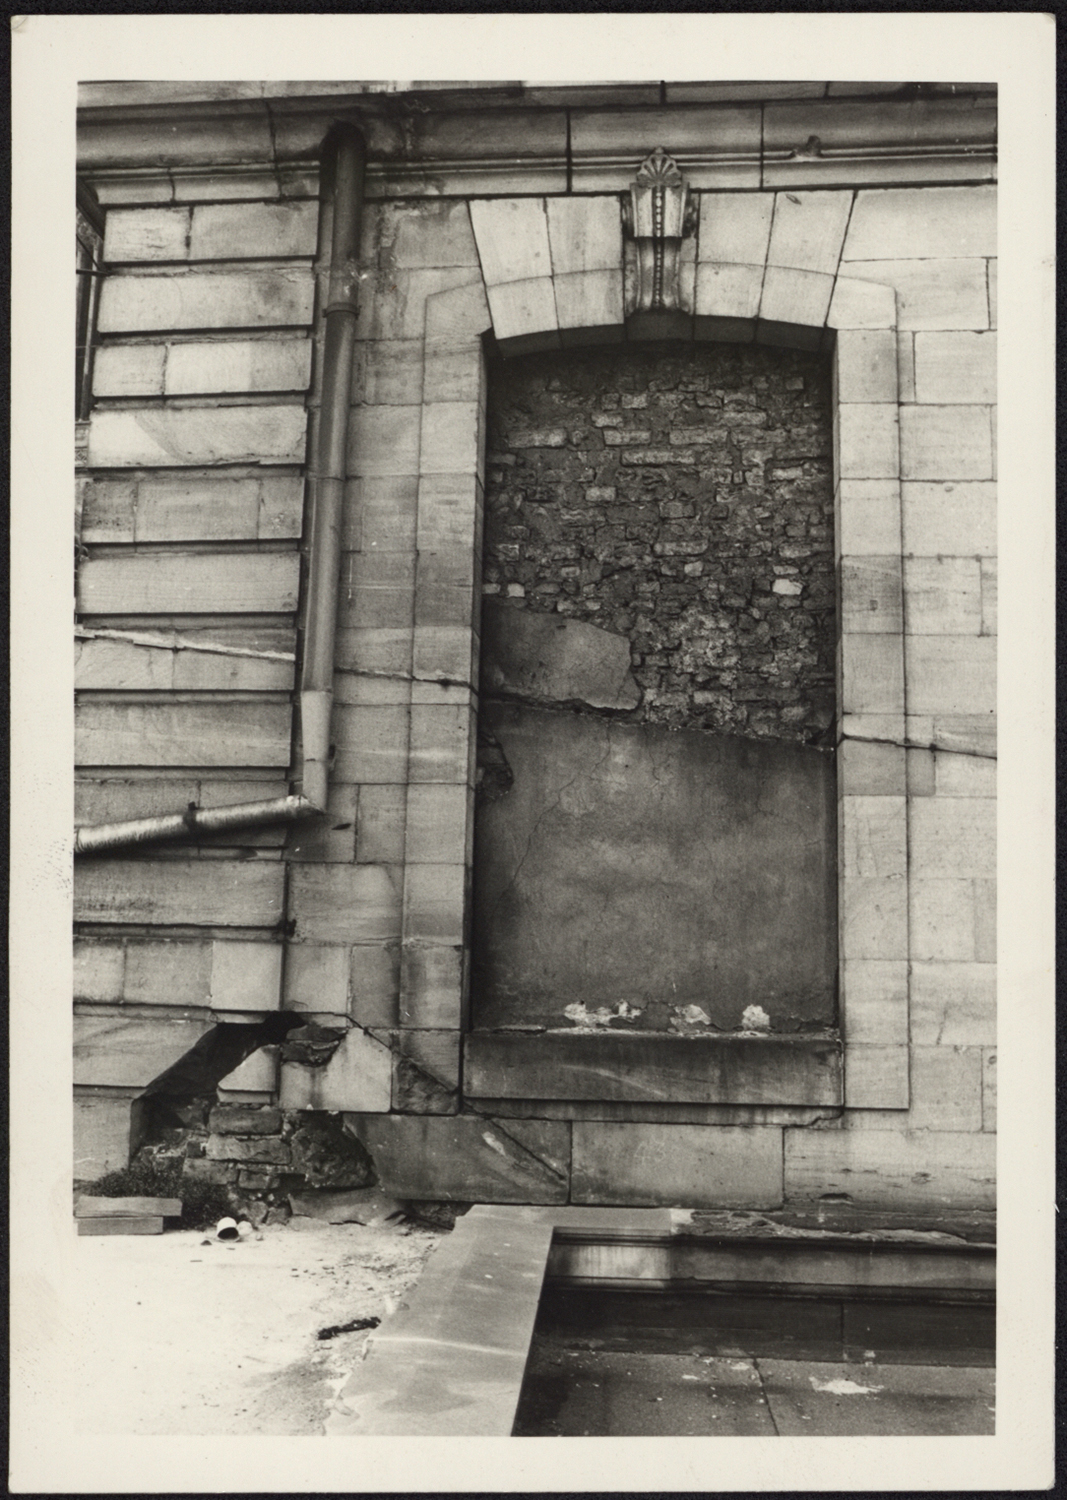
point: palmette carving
(659, 213)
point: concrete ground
(181, 1334)
(582, 1392)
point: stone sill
(652, 1067)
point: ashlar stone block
(941, 919)
(868, 517)
(926, 293)
(728, 291)
(867, 440)
(946, 442)
(862, 303)
(512, 236)
(871, 595)
(875, 1001)
(951, 675)
(246, 976)
(955, 367)
(467, 1157)
(874, 918)
(690, 1166)
(521, 308)
(735, 227)
(358, 1077)
(585, 234)
(953, 1004)
(953, 837)
(791, 296)
(886, 1168)
(316, 977)
(876, 1076)
(946, 1088)
(874, 836)
(922, 223)
(866, 364)
(944, 595)
(808, 230)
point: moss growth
(203, 1203)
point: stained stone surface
(552, 658)
(635, 877)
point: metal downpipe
(326, 482)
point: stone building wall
(683, 499)
(370, 907)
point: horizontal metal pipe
(100, 836)
(326, 482)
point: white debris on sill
(595, 1020)
(755, 1018)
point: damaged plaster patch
(755, 1018)
(687, 1017)
(555, 659)
(594, 1020)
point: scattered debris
(840, 1386)
(354, 1326)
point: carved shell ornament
(658, 213)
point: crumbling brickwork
(681, 498)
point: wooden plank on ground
(90, 1207)
(181, 734)
(145, 1224)
(195, 893)
(189, 583)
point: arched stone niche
(760, 267)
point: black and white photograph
(530, 843)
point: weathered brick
(238, 1119)
(256, 1149)
(681, 502)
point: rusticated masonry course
(682, 499)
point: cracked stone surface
(554, 659)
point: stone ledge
(726, 1069)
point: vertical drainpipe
(326, 479)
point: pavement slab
(809, 1398)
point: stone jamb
(526, 249)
